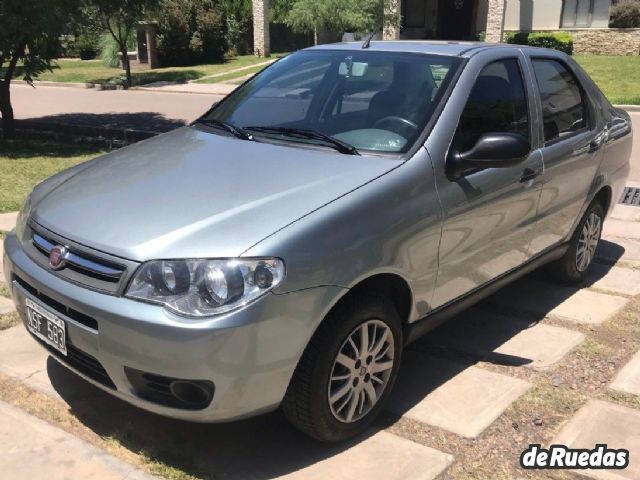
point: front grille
(58, 307)
(630, 196)
(83, 362)
(81, 262)
(82, 265)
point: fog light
(191, 393)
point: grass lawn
(24, 163)
(617, 77)
(93, 71)
(232, 76)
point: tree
(239, 17)
(335, 15)
(119, 18)
(190, 31)
(29, 42)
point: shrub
(562, 41)
(87, 46)
(191, 31)
(109, 51)
(625, 14)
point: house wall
(533, 14)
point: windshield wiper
(229, 127)
(339, 145)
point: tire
(574, 264)
(308, 402)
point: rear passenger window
(563, 106)
(497, 103)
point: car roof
(434, 47)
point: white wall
(532, 14)
(547, 14)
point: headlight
(23, 217)
(198, 288)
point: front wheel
(346, 371)
(573, 266)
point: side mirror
(492, 150)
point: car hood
(194, 194)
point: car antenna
(368, 40)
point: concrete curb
(629, 108)
(170, 90)
(43, 83)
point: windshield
(369, 100)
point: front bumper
(249, 355)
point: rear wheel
(347, 371)
(572, 267)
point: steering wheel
(403, 123)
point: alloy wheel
(361, 371)
(588, 241)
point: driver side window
(497, 103)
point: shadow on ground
(260, 448)
(609, 252)
(267, 446)
(144, 121)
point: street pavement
(157, 109)
(135, 109)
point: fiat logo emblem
(58, 257)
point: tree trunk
(126, 65)
(8, 124)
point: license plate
(46, 326)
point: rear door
(489, 213)
(571, 149)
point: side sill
(420, 327)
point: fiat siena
(284, 248)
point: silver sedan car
(284, 248)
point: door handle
(528, 175)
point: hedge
(562, 41)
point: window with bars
(577, 13)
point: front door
(489, 213)
(454, 19)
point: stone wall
(495, 21)
(261, 38)
(606, 41)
